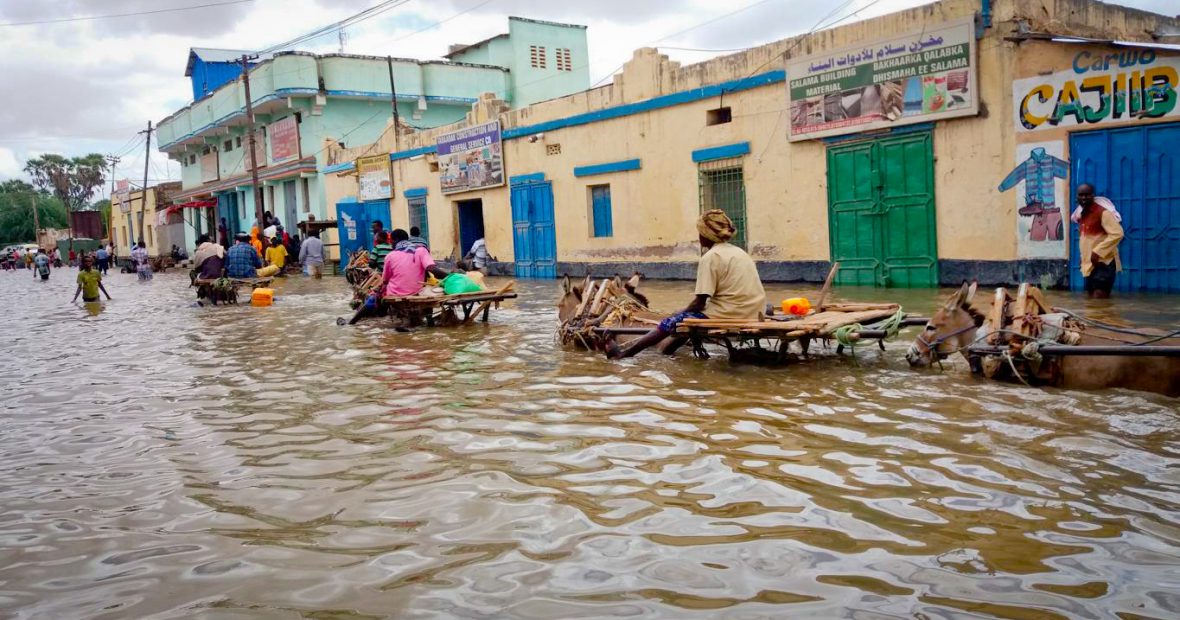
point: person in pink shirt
(405, 269)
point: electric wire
(134, 14)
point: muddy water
(161, 460)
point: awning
(1170, 47)
(198, 204)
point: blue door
(534, 235)
(376, 211)
(352, 223)
(1137, 169)
(227, 207)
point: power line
(352, 20)
(114, 15)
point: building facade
(305, 104)
(924, 147)
(133, 219)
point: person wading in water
(728, 287)
(1100, 230)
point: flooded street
(169, 461)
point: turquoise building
(304, 103)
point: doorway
(290, 206)
(470, 224)
(1138, 170)
(881, 211)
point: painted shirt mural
(1041, 173)
(1038, 172)
(1099, 87)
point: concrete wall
(654, 208)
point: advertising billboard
(284, 140)
(471, 158)
(374, 178)
(917, 78)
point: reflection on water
(170, 461)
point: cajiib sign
(1099, 87)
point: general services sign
(917, 78)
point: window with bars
(564, 59)
(537, 56)
(722, 185)
(418, 216)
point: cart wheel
(341, 320)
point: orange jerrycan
(798, 306)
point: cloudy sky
(88, 85)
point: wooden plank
(484, 306)
(586, 295)
(596, 307)
(827, 287)
(1020, 309)
(995, 318)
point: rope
(1117, 329)
(846, 335)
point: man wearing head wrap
(728, 287)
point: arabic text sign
(1100, 87)
(471, 158)
(374, 180)
(915, 78)
(284, 140)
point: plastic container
(262, 297)
(798, 306)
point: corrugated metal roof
(213, 54)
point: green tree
(104, 207)
(16, 212)
(70, 180)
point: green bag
(457, 283)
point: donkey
(954, 327)
(575, 328)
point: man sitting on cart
(405, 268)
(728, 287)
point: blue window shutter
(601, 208)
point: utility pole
(393, 102)
(253, 155)
(36, 221)
(112, 161)
(147, 155)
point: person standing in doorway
(1100, 231)
(311, 254)
(89, 282)
(728, 287)
(41, 264)
(139, 258)
(103, 257)
(223, 234)
(476, 258)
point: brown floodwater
(169, 461)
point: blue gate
(1138, 170)
(352, 224)
(534, 235)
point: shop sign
(284, 140)
(123, 195)
(916, 78)
(1099, 87)
(471, 158)
(374, 178)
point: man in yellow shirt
(728, 287)
(276, 256)
(1100, 230)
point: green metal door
(881, 212)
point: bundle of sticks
(357, 270)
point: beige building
(158, 225)
(924, 147)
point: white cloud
(10, 165)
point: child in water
(89, 282)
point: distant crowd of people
(262, 253)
